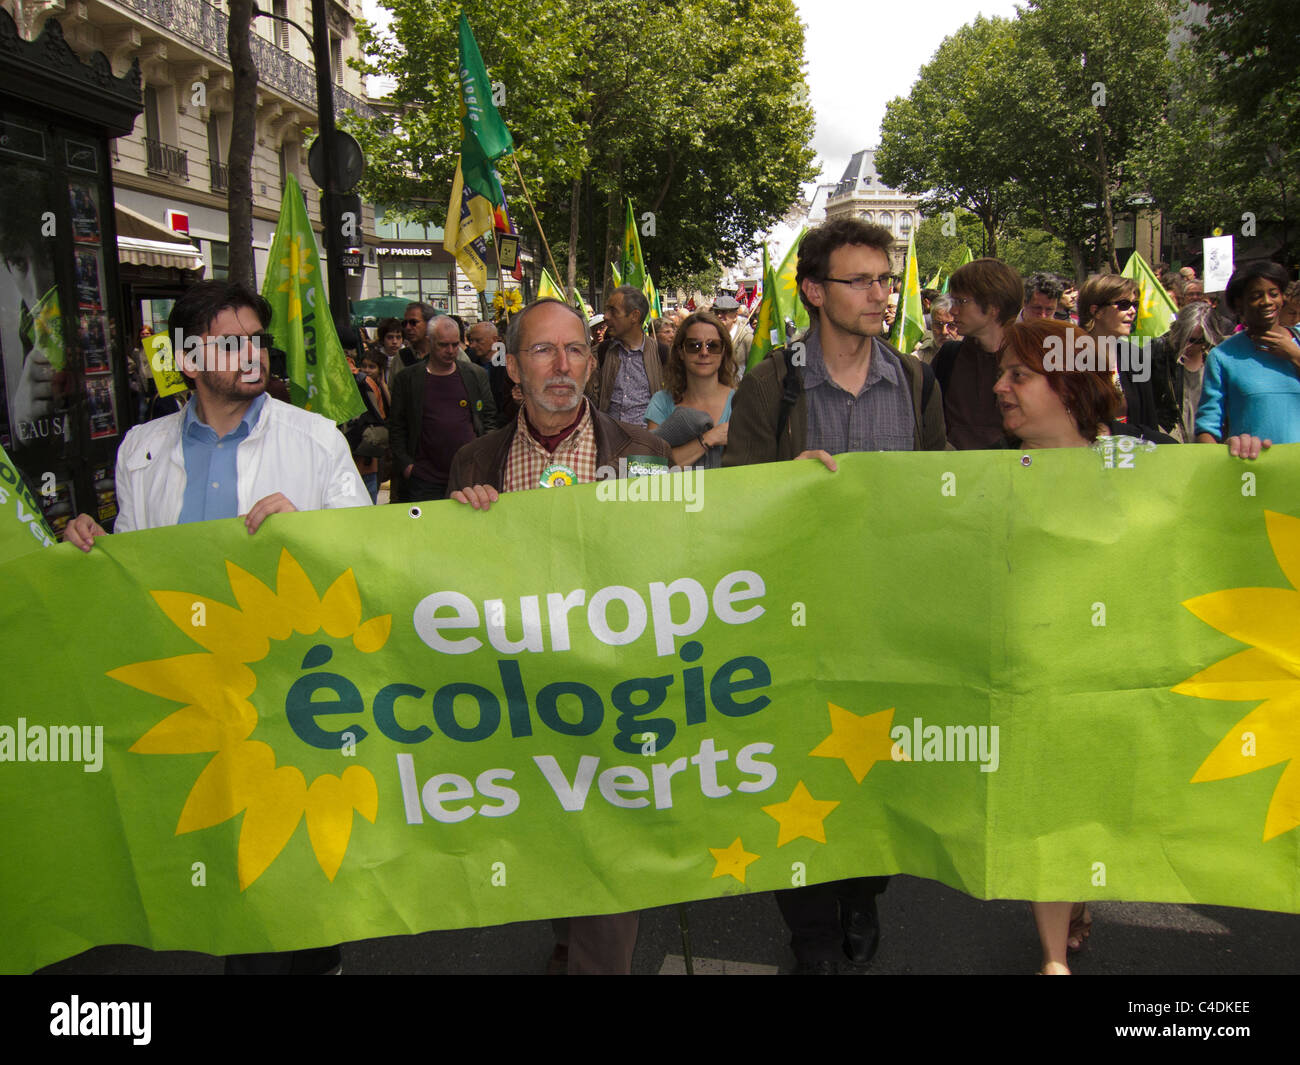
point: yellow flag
(469, 219)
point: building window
(220, 251)
(418, 280)
(904, 224)
(887, 220)
(281, 8)
(336, 56)
(151, 128)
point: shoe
(861, 933)
(822, 967)
(1080, 928)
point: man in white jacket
(233, 451)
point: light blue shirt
(1247, 390)
(662, 405)
(211, 473)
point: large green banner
(1058, 675)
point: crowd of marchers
(469, 413)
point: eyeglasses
(413, 321)
(694, 347)
(946, 327)
(1124, 305)
(548, 352)
(864, 283)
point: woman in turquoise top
(692, 412)
(1252, 379)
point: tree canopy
(696, 109)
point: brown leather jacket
(483, 461)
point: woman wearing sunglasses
(1252, 379)
(1108, 307)
(1181, 371)
(692, 412)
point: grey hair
(942, 304)
(634, 299)
(427, 311)
(1047, 284)
(514, 332)
(1194, 322)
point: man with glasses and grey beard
(558, 438)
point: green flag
(909, 320)
(933, 283)
(632, 268)
(484, 137)
(616, 273)
(319, 378)
(22, 524)
(768, 332)
(548, 288)
(1156, 308)
(966, 257)
(788, 288)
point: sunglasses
(1124, 305)
(694, 347)
(413, 321)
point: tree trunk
(1108, 213)
(575, 205)
(243, 129)
(1078, 260)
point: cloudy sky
(860, 56)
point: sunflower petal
(340, 607)
(373, 634)
(256, 600)
(271, 819)
(200, 679)
(1284, 809)
(1267, 618)
(361, 791)
(1284, 536)
(193, 729)
(1250, 674)
(225, 786)
(297, 594)
(219, 628)
(1267, 735)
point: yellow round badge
(557, 474)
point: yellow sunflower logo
(1269, 620)
(299, 265)
(218, 717)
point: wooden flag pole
(555, 270)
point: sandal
(1080, 927)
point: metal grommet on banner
(414, 512)
(1025, 460)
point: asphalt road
(925, 928)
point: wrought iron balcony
(219, 175)
(166, 159)
(204, 25)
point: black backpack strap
(790, 390)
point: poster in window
(105, 493)
(101, 407)
(59, 505)
(37, 386)
(88, 286)
(85, 213)
(94, 344)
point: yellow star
(800, 815)
(860, 741)
(731, 861)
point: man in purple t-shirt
(439, 404)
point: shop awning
(146, 243)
